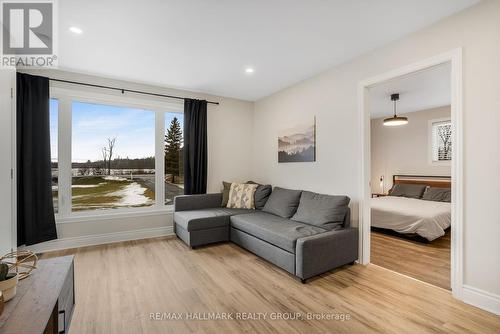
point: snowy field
(112, 192)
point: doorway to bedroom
(410, 141)
(407, 218)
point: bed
(413, 216)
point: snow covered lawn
(96, 192)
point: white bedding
(428, 219)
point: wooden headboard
(428, 180)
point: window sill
(94, 216)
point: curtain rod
(123, 90)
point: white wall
(332, 97)
(404, 149)
(7, 81)
(229, 144)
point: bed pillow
(241, 196)
(408, 190)
(326, 211)
(261, 194)
(447, 197)
(283, 202)
(437, 194)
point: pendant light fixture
(395, 120)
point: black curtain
(35, 211)
(195, 146)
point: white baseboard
(482, 299)
(100, 239)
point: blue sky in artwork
(93, 124)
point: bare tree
(104, 157)
(444, 133)
(111, 146)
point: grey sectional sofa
(301, 232)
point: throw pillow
(241, 196)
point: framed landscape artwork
(298, 144)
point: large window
(116, 153)
(441, 140)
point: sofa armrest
(197, 202)
(320, 253)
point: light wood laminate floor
(119, 285)
(428, 262)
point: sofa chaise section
(199, 220)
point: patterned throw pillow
(241, 196)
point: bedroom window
(113, 154)
(441, 145)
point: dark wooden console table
(44, 301)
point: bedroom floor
(428, 262)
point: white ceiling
(205, 45)
(423, 90)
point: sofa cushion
(326, 211)
(278, 231)
(193, 220)
(225, 192)
(261, 194)
(283, 202)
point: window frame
(66, 97)
(430, 145)
(50, 138)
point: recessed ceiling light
(76, 30)
(249, 70)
